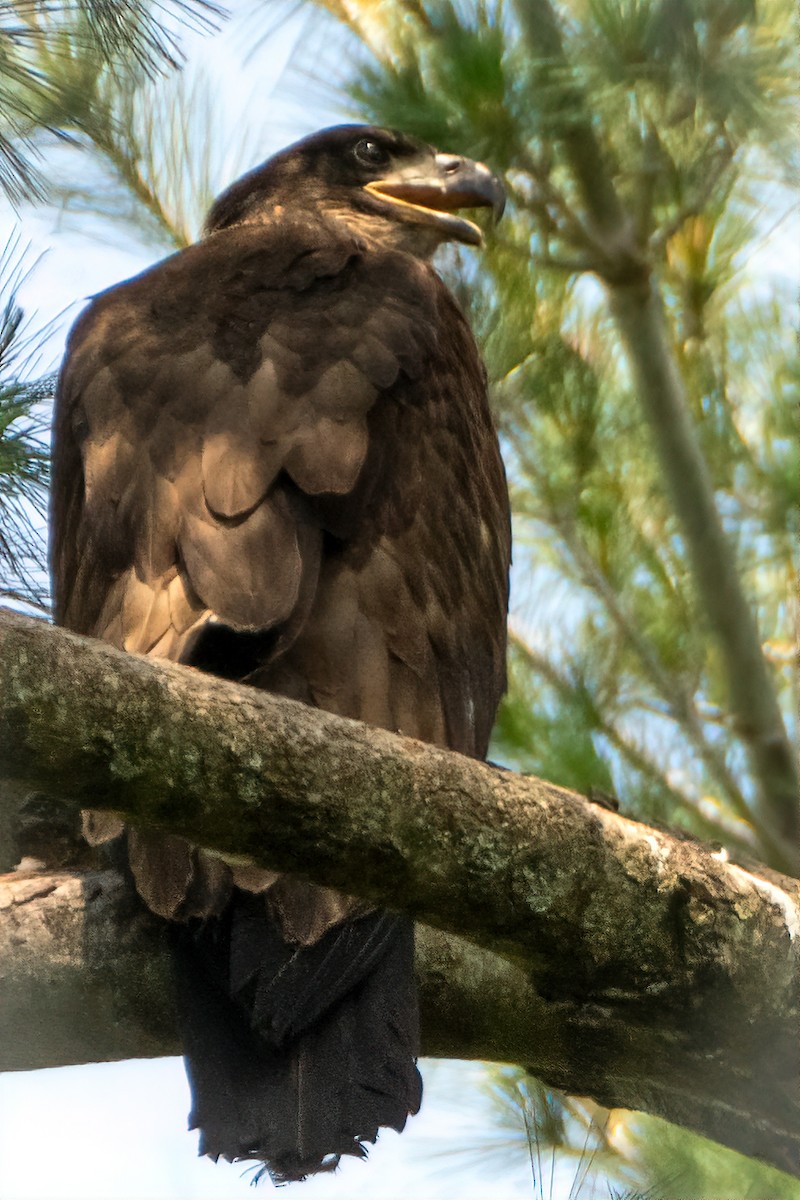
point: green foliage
(569, 1143)
(24, 452)
(159, 158)
(464, 91)
(550, 724)
(53, 58)
(683, 1166)
(580, 1151)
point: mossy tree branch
(634, 961)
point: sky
(118, 1131)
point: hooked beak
(451, 183)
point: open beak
(436, 192)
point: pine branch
(53, 56)
(24, 448)
(679, 704)
(635, 757)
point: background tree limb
(648, 953)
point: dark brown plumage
(274, 460)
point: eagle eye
(371, 153)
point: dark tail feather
(296, 1056)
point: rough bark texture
(86, 977)
(648, 954)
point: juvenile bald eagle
(274, 461)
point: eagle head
(397, 186)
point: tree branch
(648, 953)
(86, 977)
